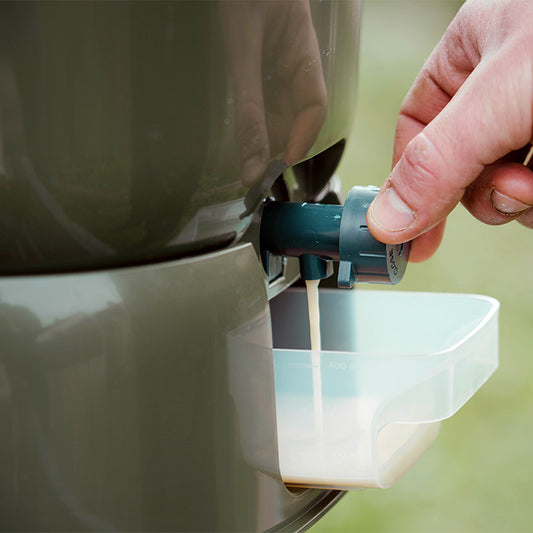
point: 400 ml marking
(341, 366)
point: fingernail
(390, 212)
(506, 205)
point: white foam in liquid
(316, 346)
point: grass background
(477, 475)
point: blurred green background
(477, 475)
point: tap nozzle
(318, 234)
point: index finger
(482, 122)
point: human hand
(462, 127)
(279, 90)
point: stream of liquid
(314, 314)
(316, 346)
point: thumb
(489, 116)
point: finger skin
(512, 181)
(424, 246)
(469, 107)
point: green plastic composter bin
(128, 256)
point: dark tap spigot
(318, 234)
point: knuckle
(423, 178)
(423, 168)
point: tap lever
(318, 234)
